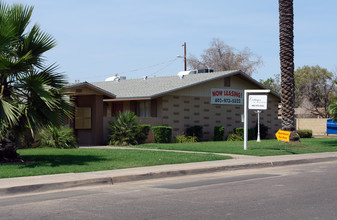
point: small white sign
(258, 102)
(226, 96)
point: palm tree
(286, 13)
(31, 93)
(287, 63)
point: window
(83, 118)
(144, 108)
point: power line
(168, 62)
(148, 67)
(152, 74)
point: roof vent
(181, 76)
(145, 77)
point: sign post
(258, 139)
(255, 102)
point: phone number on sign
(232, 101)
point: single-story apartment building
(206, 99)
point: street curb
(34, 188)
(130, 178)
(54, 186)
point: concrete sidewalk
(12, 186)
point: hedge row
(304, 133)
(162, 134)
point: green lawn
(53, 161)
(263, 148)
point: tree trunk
(287, 63)
(8, 152)
(286, 13)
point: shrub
(263, 131)
(251, 132)
(57, 137)
(141, 136)
(195, 131)
(238, 131)
(125, 130)
(219, 132)
(162, 134)
(185, 139)
(234, 137)
(304, 133)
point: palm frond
(13, 66)
(19, 15)
(32, 95)
(8, 112)
(52, 78)
(36, 42)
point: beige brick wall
(317, 125)
(181, 112)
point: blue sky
(97, 39)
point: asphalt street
(306, 191)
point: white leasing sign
(258, 102)
(227, 96)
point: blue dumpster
(331, 127)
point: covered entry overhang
(88, 120)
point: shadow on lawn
(58, 160)
(328, 143)
(281, 150)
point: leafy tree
(286, 25)
(31, 93)
(333, 109)
(221, 57)
(314, 88)
(273, 83)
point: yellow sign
(282, 135)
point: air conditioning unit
(189, 72)
(205, 70)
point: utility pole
(185, 66)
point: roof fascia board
(91, 86)
(126, 99)
(258, 83)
